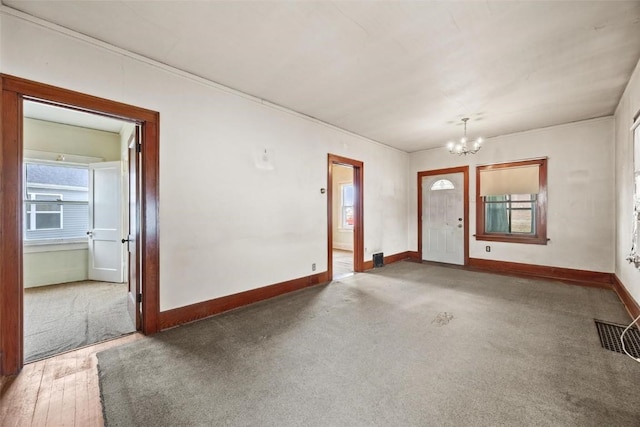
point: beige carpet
(58, 318)
(404, 345)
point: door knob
(459, 225)
(90, 233)
(459, 219)
(125, 240)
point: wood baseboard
(632, 306)
(368, 265)
(200, 310)
(569, 275)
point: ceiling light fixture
(461, 147)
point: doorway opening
(345, 216)
(443, 215)
(75, 229)
(32, 205)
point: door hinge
(139, 147)
(139, 298)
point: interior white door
(443, 225)
(105, 222)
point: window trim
(540, 235)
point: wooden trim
(149, 227)
(11, 292)
(540, 238)
(632, 306)
(358, 211)
(14, 90)
(389, 259)
(465, 173)
(330, 218)
(70, 99)
(200, 310)
(579, 277)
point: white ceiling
(50, 113)
(402, 73)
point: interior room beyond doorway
(75, 193)
(343, 220)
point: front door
(443, 218)
(105, 222)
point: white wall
(226, 224)
(342, 237)
(65, 139)
(46, 264)
(51, 264)
(629, 106)
(580, 193)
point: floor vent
(610, 338)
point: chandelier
(461, 147)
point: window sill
(35, 246)
(509, 238)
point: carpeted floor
(58, 318)
(404, 345)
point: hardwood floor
(59, 391)
(342, 263)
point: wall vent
(378, 260)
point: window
(44, 216)
(511, 202)
(510, 213)
(56, 201)
(442, 184)
(346, 203)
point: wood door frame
(14, 90)
(358, 211)
(465, 174)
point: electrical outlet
(487, 248)
(313, 267)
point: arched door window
(442, 184)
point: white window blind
(510, 180)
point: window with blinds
(511, 202)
